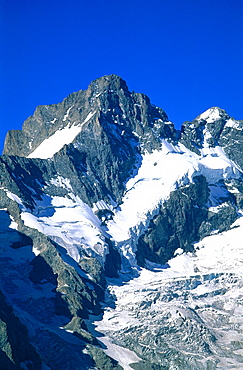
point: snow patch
(61, 182)
(233, 124)
(15, 198)
(67, 113)
(54, 120)
(55, 142)
(69, 222)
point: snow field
(71, 223)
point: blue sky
(186, 55)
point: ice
(222, 252)
(160, 171)
(123, 356)
(101, 204)
(14, 197)
(55, 142)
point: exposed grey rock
(102, 361)
(16, 350)
(177, 224)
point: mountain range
(121, 237)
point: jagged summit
(110, 82)
(105, 104)
(213, 114)
(106, 101)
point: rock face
(96, 191)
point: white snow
(122, 355)
(54, 120)
(67, 113)
(61, 182)
(55, 142)
(71, 223)
(234, 124)
(222, 252)
(210, 115)
(160, 171)
(6, 220)
(14, 197)
(101, 204)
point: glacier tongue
(191, 307)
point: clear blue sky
(186, 55)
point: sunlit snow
(233, 124)
(69, 222)
(67, 113)
(210, 115)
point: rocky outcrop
(176, 225)
(16, 351)
(183, 220)
(214, 128)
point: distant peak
(213, 114)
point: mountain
(121, 237)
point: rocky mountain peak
(109, 82)
(101, 190)
(211, 129)
(213, 114)
(107, 101)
